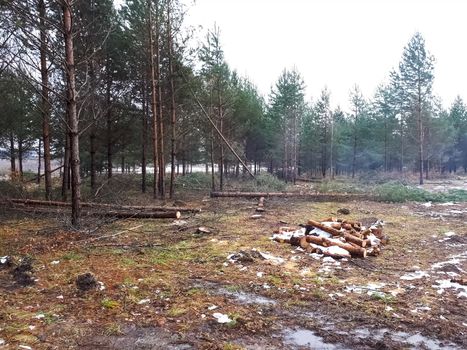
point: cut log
(325, 228)
(108, 213)
(304, 243)
(34, 202)
(295, 241)
(260, 207)
(326, 242)
(358, 241)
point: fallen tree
(309, 195)
(35, 202)
(108, 213)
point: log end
(178, 214)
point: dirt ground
(162, 285)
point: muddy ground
(162, 285)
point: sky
(337, 43)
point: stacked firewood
(337, 238)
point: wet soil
(163, 283)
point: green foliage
(193, 181)
(337, 186)
(398, 192)
(267, 182)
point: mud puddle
(294, 335)
(306, 338)
(138, 338)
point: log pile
(334, 237)
(96, 209)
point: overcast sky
(337, 43)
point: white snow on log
(4, 259)
(449, 234)
(212, 307)
(2, 342)
(144, 301)
(55, 262)
(222, 318)
(427, 204)
(414, 275)
(320, 233)
(374, 241)
(285, 235)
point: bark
(109, 124)
(155, 145)
(328, 229)
(39, 162)
(45, 103)
(20, 159)
(172, 102)
(72, 114)
(12, 155)
(107, 213)
(420, 137)
(213, 182)
(144, 138)
(260, 207)
(34, 202)
(92, 136)
(327, 242)
(66, 165)
(159, 109)
(354, 155)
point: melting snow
(222, 318)
(414, 275)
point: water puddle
(416, 340)
(306, 338)
(240, 296)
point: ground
(162, 283)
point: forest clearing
(215, 279)
(229, 175)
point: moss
(110, 304)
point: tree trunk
(39, 162)
(72, 114)
(12, 155)
(144, 137)
(45, 103)
(153, 103)
(92, 136)
(354, 156)
(159, 109)
(420, 136)
(213, 183)
(109, 123)
(66, 165)
(20, 159)
(172, 102)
